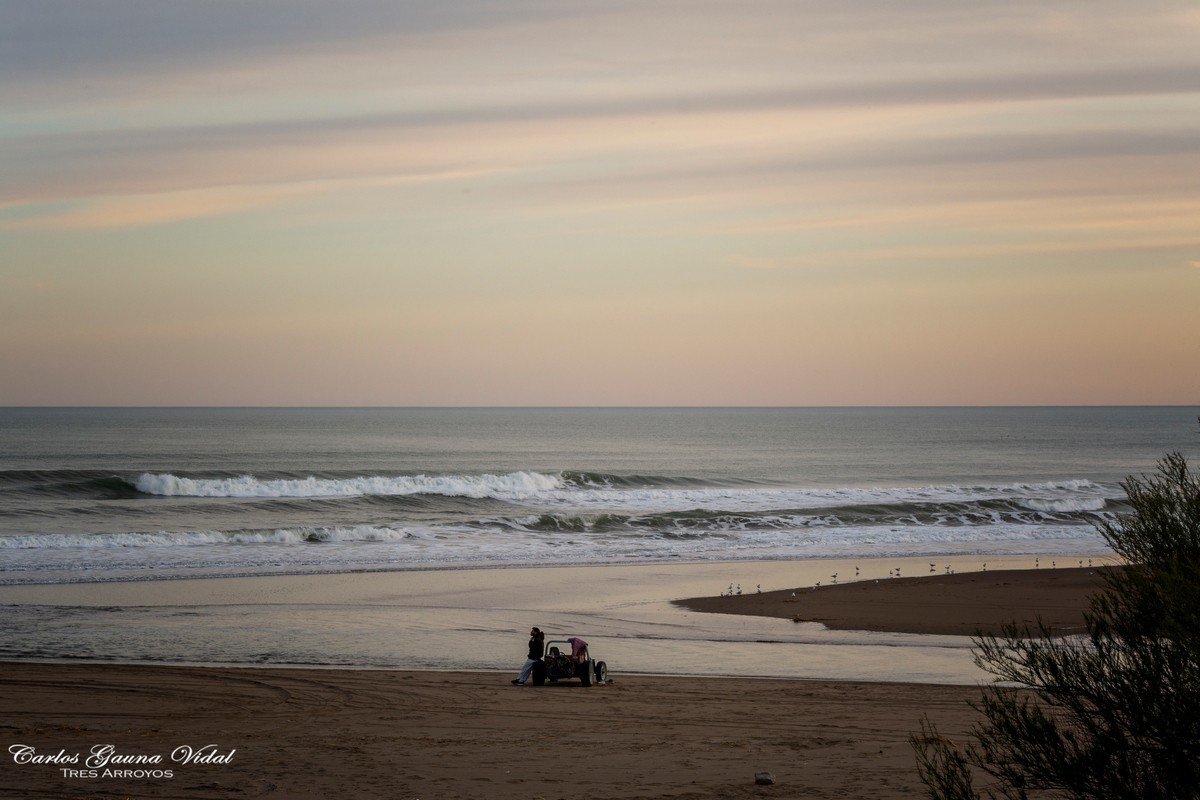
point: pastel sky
(527, 202)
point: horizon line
(465, 407)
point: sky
(536, 203)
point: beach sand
(959, 604)
(309, 733)
(379, 734)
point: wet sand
(960, 604)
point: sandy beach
(317, 733)
(959, 604)
(382, 734)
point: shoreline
(472, 620)
(317, 731)
(452, 567)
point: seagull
(856, 570)
(818, 586)
(834, 576)
(932, 566)
(1036, 564)
(793, 594)
(759, 589)
(1054, 564)
(739, 591)
(985, 566)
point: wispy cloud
(157, 208)
(151, 209)
(473, 150)
(732, 105)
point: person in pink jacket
(578, 649)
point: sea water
(600, 516)
(121, 494)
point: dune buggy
(558, 665)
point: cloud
(177, 98)
(153, 209)
(158, 208)
(467, 55)
(589, 110)
(127, 36)
(762, 147)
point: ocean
(133, 494)
(434, 538)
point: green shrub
(1114, 714)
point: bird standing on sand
(932, 566)
(834, 576)
(739, 591)
(758, 589)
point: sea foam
(513, 484)
(362, 533)
(1065, 504)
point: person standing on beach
(537, 648)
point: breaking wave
(1065, 504)
(513, 484)
(73, 525)
(193, 538)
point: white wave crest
(192, 538)
(1064, 504)
(313, 535)
(513, 484)
(1089, 495)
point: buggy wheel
(586, 670)
(601, 672)
(539, 674)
